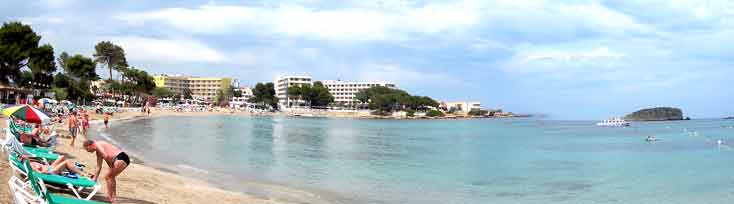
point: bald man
(115, 158)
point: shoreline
(314, 113)
(148, 181)
(142, 182)
(260, 190)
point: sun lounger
(12, 145)
(20, 194)
(34, 191)
(52, 140)
(75, 185)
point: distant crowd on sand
(30, 143)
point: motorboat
(613, 122)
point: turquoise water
(448, 161)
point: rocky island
(656, 114)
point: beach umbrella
(27, 113)
(46, 100)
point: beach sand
(140, 183)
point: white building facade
(344, 92)
(282, 83)
(463, 106)
(241, 101)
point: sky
(564, 59)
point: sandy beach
(140, 183)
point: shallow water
(446, 161)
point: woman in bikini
(56, 167)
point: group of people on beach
(78, 122)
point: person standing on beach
(115, 158)
(106, 120)
(73, 127)
(85, 122)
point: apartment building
(462, 106)
(202, 88)
(345, 91)
(242, 100)
(282, 83)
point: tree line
(26, 64)
(382, 100)
(313, 96)
(385, 100)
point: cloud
(46, 20)
(392, 20)
(293, 20)
(596, 54)
(679, 16)
(56, 4)
(179, 50)
(508, 51)
(400, 75)
(561, 63)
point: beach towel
(12, 144)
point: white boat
(613, 122)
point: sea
(521, 160)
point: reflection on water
(457, 161)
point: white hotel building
(282, 83)
(345, 91)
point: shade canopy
(27, 113)
(47, 100)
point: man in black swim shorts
(116, 159)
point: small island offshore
(656, 114)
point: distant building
(242, 100)
(282, 83)
(345, 91)
(202, 88)
(462, 106)
(95, 87)
(13, 95)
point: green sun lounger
(36, 149)
(76, 185)
(12, 145)
(38, 183)
(61, 180)
(45, 155)
(39, 188)
(58, 199)
(56, 179)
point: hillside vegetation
(656, 114)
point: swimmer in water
(651, 138)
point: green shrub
(411, 113)
(476, 112)
(434, 113)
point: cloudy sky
(568, 59)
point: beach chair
(12, 145)
(20, 194)
(34, 190)
(75, 185)
(53, 140)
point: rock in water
(656, 114)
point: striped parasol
(27, 113)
